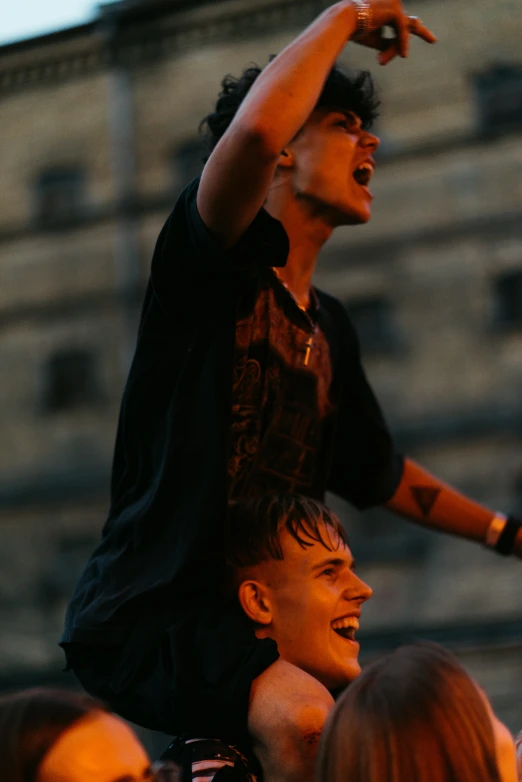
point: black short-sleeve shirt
(219, 401)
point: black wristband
(504, 544)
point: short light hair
(255, 527)
(414, 715)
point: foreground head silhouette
(416, 715)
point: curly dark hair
(348, 91)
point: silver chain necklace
(310, 341)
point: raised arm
(238, 174)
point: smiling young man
(292, 577)
(247, 381)
(295, 580)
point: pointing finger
(416, 27)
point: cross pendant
(308, 350)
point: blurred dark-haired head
(415, 715)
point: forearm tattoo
(425, 498)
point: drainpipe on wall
(120, 110)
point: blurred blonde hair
(415, 715)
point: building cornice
(64, 36)
(82, 484)
(90, 481)
(383, 248)
(479, 636)
(463, 425)
(460, 636)
(137, 35)
(362, 253)
(51, 59)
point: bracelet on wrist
(364, 16)
(495, 529)
(502, 533)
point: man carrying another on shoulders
(292, 575)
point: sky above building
(27, 18)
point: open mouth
(363, 174)
(346, 627)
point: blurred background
(98, 129)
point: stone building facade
(99, 133)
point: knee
(286, 695)
(288, 710)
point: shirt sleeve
(366, 468)
(188, 259)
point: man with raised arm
(247, 381)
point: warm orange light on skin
(504, 744)
(98, 748)
(295, 601)
(314, 182)
(314, 190)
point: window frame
(66, 185)
(387, 340)
(62, 394)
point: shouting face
(332, 164)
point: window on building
(60, 196)
(374, 321)
(499, 98)
(70, 380)
(508, 300)
(187, 162)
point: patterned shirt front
(281, 397)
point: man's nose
(365, 591)
(369, 141)
(358, 590)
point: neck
(307, 233)
(297, 275)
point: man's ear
(286, 159)
(255, 602)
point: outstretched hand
(390, 15)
